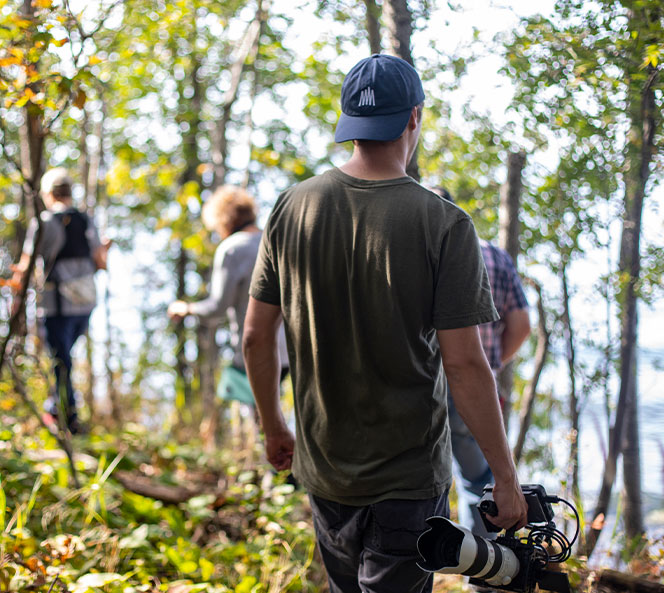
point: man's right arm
(473, 388)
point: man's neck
(377, 161)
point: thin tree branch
(10, 159)
(543, 337)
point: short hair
(228, 209)
(56, 182)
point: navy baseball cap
(377, 97)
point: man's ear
(414, 118)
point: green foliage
(33, 74)
(103, 537)
(150, 82)
(579, 77)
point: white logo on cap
(367, 97)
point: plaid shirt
(507, 295)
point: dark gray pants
(373, 548)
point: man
(501, 340)
(70, 252)
(376, 277)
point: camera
(509, 563)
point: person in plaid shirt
(500, 340)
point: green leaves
(242, 541)
(654, 54)
(247, 585)
(137, 539)
(36, 70)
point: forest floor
(152, 513)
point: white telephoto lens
(451, 549)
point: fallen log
(626, 583)
(164, 492)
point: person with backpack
(70, 252)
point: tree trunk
(640, 151)
(373, 26)
(189, 114)
(541, 352)
(207, 364)
(573, 396)
(510, 203)
(253, 53)
(101, 197)
(633, 509)
(85, 163)
(191, 110)
(31, 151)
(183, 378)
(248, 45)
(508, 239)
(31, 133)
(399, 24)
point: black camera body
(540, 510)
(508, 563)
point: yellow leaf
(7, 404)
(188, 567)
(4, 62)
(19, 22)
(94, 60)
(207, 569)
(59, 42)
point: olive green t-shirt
(364, 273)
